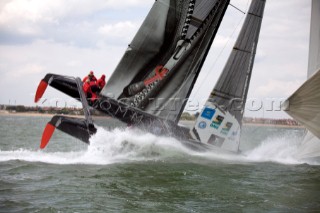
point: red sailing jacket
(93, 78)
(87, 90)
(101, 82)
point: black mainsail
(176, 35)
(153, 80)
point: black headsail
(219, 123)
(162, 63)
(230, 92)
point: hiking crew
(90, 76)
(92, 86)
(101, 82)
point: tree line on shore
(45, 110)
(184, 116)
(247, 120)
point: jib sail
(230, 92)
(219, 123)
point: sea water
(125, 170)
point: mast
(314, 46)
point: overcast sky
(75, 36)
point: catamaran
(152, 82)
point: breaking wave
(107, 147)
(276, 149)
(117, 146)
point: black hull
(82, 129)
(147, 122)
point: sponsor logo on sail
(225, 130)
(217, 121)
(202, 125)
(208, 113)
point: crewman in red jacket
(90, 76)
(101, 82)
(87, 88)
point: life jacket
(101, 82)
(92, 78)
(88, 91)
(92, 83)
(94, 87)
(86, 88)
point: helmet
(103, 76)
(91, 72)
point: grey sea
(130, 171)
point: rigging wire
(219, 55)
(237, 8)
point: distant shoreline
(189, 123)
(46, 115)
(274, 125)
(27, 114)
(183, 122)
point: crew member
(87, 88)
(101, 82)
(94, 86)
(91, 77)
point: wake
(107, 147)
(282, 150)
(123, 146)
